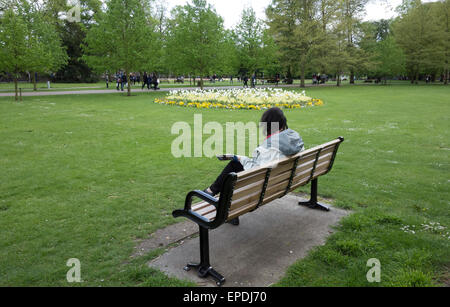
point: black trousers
(232, 167)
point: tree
(44, 44)
(196, 36)
(349, 12)
(418, 34)
(121, 39)
(296, 28)
(342, 59)
(386, 57)
(249, 36)
(389, 58)
(230, 62)
(282, 16)
(14, 52)
(322, 59)
(441, 13)
(72, 33)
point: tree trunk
(33, 78)
(338, 78)
(302, 81)
(446, 76)
(352, 77)
(128, 83)
(16, 87)
(201, 82)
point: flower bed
(240, 99)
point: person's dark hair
(272, 119)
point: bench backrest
(260, 186)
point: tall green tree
(342, 58)
(386, 57)
(230, 62)
(72, 32)
(322, 59)
(121, 38)
(282, 18)
(46, 53)
(418, 34)
(249, 39)
(196, 36)
(297, 29)
(441, 13)
(350, 14)
(389, 58)
(14, 52)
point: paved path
(135, 91)
(259, 251)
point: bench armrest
(203, 196)
(188, 206)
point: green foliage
(121, 39)
(256, 49)
(297, 30)
(46, 52)
(422, 31)
(14, 42)
(29, 40)
(15, 55)
(196, 36)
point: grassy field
(88, 176)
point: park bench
(247, 191)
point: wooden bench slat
(251, 173)
(199, 206)
(281, 177)
(211, 216)
(242, 210)
(321, 170)
(303, 173)
(299, 183)
(273, 197)
(305, 166)
(242, 183)
(207, 210)
(281, 168)
(274, 189)
(254, 188)
(244, 201)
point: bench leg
(204, 268)
(313, 204)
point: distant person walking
(120, 80)
(245, 81)
(155, 81)
(145, 81)
(253, 80)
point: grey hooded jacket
(279, 146)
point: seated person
(289, 143)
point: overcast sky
(231, 9)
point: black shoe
(234, 222)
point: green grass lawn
(88, 176)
